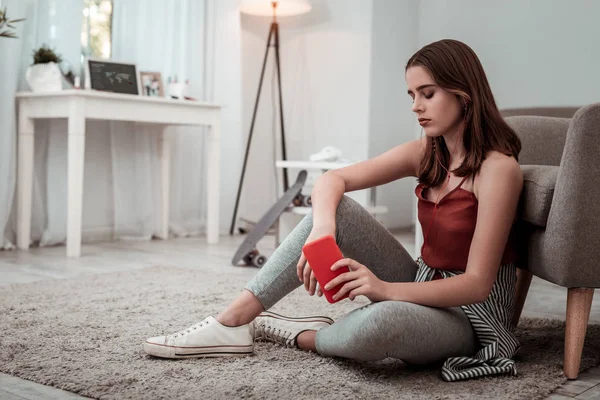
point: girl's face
(438, 110)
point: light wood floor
(544, 299)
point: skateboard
(247, 251)
(249, 225)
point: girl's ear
(465, 103)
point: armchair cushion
(538, 190)
(543, 138)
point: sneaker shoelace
(190, 329)
(277, 335)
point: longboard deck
(247, 250)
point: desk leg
(76, 143)
(373, 199)
(24, 179)
(164, 148)
(213, 182)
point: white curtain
(166, 37)
(187, 38)
(13, 59)
(59, 29)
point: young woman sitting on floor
(454, 303)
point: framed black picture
(111, 76)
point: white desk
(79, 105)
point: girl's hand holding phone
(359, 281)
(341, 277)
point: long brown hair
(455, 67)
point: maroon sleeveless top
(449, 240)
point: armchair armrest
(571, 244)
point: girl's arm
(397, 163)
(500, 185)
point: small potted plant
(6, 25)
(44, 75)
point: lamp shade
(284, 7)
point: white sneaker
(208, 338)
(276, 328)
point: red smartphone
(321, 254)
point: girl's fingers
(300, 267)
(349, 286)
(306, 276)
(346, 262)
(345, 277)
(313, 284)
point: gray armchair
(559, 215)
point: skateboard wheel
(259, 261)
(307, 201)
(249, 258)
(298, 200)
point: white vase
(44, 77)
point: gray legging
(414, 333)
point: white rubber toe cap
(156, 346)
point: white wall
(391, 121)
(343, 74)
(325, 61)
(227, 91)
(535, 52)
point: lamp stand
(273, 35)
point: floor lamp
(269, 8)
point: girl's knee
(347, 206)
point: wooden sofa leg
(579, 303)
(522, 287)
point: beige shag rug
(84, 335)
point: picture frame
(112, 76)
(152, 84)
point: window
(96, 31)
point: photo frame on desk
(112, 76)
(152, 84)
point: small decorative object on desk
(152, 84)
(6, 25)
(329, 154)
(178, 90)
(44, 75)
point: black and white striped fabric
(491, 321)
